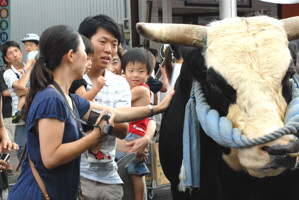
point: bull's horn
(182, 34)
(291, 26)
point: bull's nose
(279, 161)
(291, 148)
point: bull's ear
(291, 26)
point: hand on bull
(163, 105)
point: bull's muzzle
(283, 155)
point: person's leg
(21, 103)
(20, 138)
(138, 185)
(96, 190)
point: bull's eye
(218, 92)
(287, 85)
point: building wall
(175, 8)
(35, 16)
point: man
(100, 180)
(16, 83)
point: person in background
(16, 83)
(31, 45)
(5, 147)
(173, 63)
(115, 64)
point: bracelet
(24, 70)
(151, 109)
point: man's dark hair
(138, 55)
(153, 51)
(90, 25)
(5, 47)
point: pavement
(158, 193)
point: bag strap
(22, 157)
(74, 115)
(38, 179)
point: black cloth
(76, 84)
(6, 107)
(154, 85)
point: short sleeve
(51, 107)
(9, 78)
(123, 94)
(154, 85)
(82, 104)
(76, 84)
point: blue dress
(61, 182)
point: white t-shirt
(10, 76)
(175, 74)
(115, 93)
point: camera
(4, 157)
(94, 115)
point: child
(137, 64)
(30, 41)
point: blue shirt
(62, 181)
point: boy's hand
(100, 82)
(32, 54)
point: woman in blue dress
(54, 142)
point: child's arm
(140, 96)
(92, 93)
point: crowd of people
(67, 76)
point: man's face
(105, 48)
(14, 55)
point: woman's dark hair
(54, 43)
(88, 46)
(90, 25)
(172, 53)
(138, 55)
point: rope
(220, 129)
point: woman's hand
(6, 145)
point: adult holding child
(55, 142)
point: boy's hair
(5, 47)
(88, 46)
(138, 55)
(90, 25)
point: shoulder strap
(38, 179)
(76, 117)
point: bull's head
(248, 65)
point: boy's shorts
(135, 167)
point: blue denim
(20, 138)
(135, 167)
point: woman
(173, 63)
(54, 140)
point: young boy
(30, 41)
(137, 64)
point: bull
(244, 68)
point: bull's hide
(245, 75)
(218, 180)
